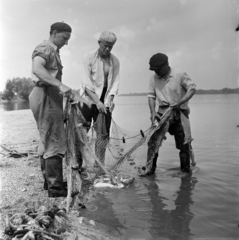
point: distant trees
(199, 91)
(18, 88)
(221, 91)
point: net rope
(120, 152)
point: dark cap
(61, 27)
(157, 61)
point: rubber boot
(54, 176)
(154, 165)
(43, 170)
(185, 161)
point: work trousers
(176, 129)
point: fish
(119, 181)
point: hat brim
(154, 68)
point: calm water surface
(203, 206)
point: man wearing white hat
(101, 83)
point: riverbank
(21, 183)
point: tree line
(20, 88)
(17, 88)
(199, 91)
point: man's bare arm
(184, 99)
(154, 115)
(100, 106)
(40, 71)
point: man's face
(162, 72)
(105, 48)
(158, 72)
(61, 38)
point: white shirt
(94, 77)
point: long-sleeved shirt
(94, 76)
(172, 89)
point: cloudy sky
(198, 36)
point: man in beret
(100, 85)
(172, 88)
(46, 102)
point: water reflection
(100, 209)
(10, 106)
(182, 215)
(175, 223)
(146, 210)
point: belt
(164, 106)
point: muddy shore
(21, 183)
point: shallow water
(204, 205)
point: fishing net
(121, 152)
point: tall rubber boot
(54, 176)
(43, 170)
(77, 151)
(154, 165)
(185, 161)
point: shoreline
(21, 182)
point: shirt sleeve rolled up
(187, 83)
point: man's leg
(184, 156)
(85, 119)
(54, 176)
(151, 155)
(102, 126)
(154, 144)
(43, 170)
(176, 129)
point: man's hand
(101, 107)
(111, 103)
(175, 105)
(154, 117)
(111, 107)
(76, 97)
(64, 90)
(184, 99)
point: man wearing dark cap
(46, 102)
(100, 84)
(172, 88)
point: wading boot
(154, 165)
(43, 170)
(54, 177)
(185, 161)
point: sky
(198, 36)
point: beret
(61, 27)
(157, 61)
(108, 37)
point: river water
(202, 206)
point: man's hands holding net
(155, 118)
